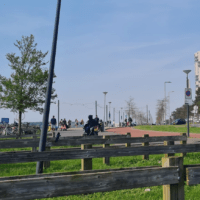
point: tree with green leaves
(27, 85)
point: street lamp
(104, 104)
(165, 100)
(169, 107)
(109, 111)
(121, 115)
(187, 85)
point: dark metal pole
(39, 167)
(95, 108)
(119, 119)
(58, 112)
(188, 123)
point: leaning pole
(43, 137)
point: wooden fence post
(145, 157)
(183, 142)
(174, 191)
(47, 163)
(86, 164)
(34, 149)
(169, 143)
(106, 160)
(128, 144)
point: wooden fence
(171, 175)
(86, 152)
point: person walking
(76, 123)
(125, 122)
(65, 122)
(69, 123)
(53, 123)
(82, 122)
(130, 121)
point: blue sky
(127, 48)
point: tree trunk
(19, 122)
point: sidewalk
(194, 138)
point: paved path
(194, 138)
(79, 132)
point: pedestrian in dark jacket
(53, 123)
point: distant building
(197, 69)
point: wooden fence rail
(22, 136)
(193, 175)
(170, 175)
(18, 157)
(21, 143)
(42, 187)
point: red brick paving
(140, 133)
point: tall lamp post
(121, 116)
(43, 137)
(169, 107)
(109, 112)
(104, 105)
(187, 85)
(165, 101)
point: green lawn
(191, 192)
(169, 128)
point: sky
(126, 48)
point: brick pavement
(194, 138)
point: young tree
(27, 85)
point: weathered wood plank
(183, 143)
(86, 164)
(106, 160)
(72, 173)
(86, 183)
(169, 143)
(89, 171)
(70, 142)
(13, 157)
(174, 191)
(193, 175)
(129, 136)
(145, 157)
(17, 136)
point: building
(197, 69)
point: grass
(169, 128)
(191, 192)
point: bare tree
(141, 117)
(130, 109)
(160, 109)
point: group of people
(92, 123)
(128, 122)
(77, 123)
(64, 125)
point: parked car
(133, 124)
(179, 121)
